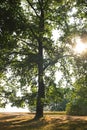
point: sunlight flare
(80, 47)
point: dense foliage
(78, 104)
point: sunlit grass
(55, 113)
(51, 121)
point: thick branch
(53, 62)
(29, 44)
(32, 7)
(35, 36)
(29, 26)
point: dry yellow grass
(24, 121)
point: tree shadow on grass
(20, 122)
(70, 124)
(6, 121)
(23, 125)
(26, 122)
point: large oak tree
(28, 50)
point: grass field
(51, 121)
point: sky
(13, 109)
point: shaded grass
(25, 121)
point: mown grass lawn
(51, 121)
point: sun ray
(80, 47)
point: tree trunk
(40, 99)
(41, 87)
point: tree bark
(41, 87)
